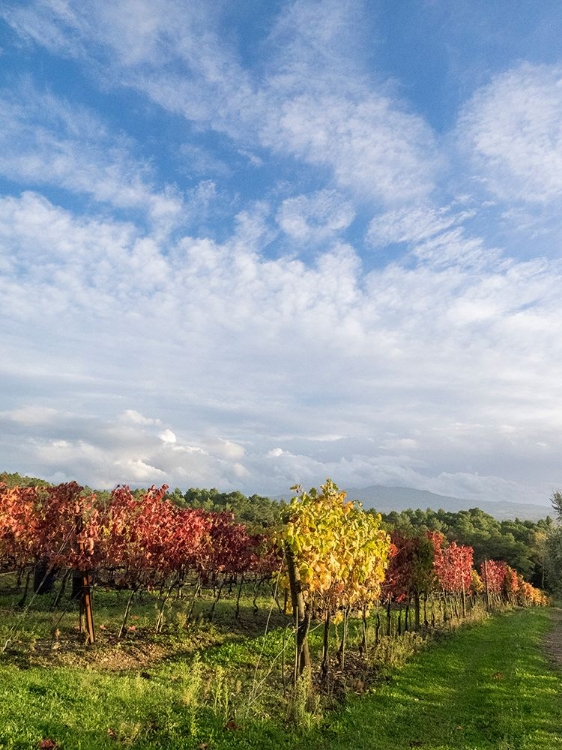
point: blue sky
(248, 245)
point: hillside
(387, 499)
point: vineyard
(327, 595)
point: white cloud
(241, 471)
(47, 140)
(135, 417)
(330, 116)
(32, 415)
(400, 444)
(201, 161)
(413, 224)
(512, 128)
(315, 217)
(435, 235)
(227, 449)
(260, 348)
(141, 472)
(109, 452)
(475, 487)
(373, 148)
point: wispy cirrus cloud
(413, 224)
(352, 127)
(512, 131)
(45, 140)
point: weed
(191, 690)
(303, 705)
(394, 652)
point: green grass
(485, 687)
(219, 686)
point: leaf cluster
(341, 551)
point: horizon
(286, 495)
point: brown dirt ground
(135, 651)
(553, 641)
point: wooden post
(326, 646)
(85, 584)
(301, 615)
(86, 610)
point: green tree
(17, 480)
(553, 560)
(556, 501)
(553, 548)
(256, 511)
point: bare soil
(136, 651)
(553, 641)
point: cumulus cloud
(106, 452)
(135, 417)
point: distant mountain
(387, 499)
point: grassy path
(488, 687)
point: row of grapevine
(134, 541)
(339, 562)
(335, 560)
(145, 538)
